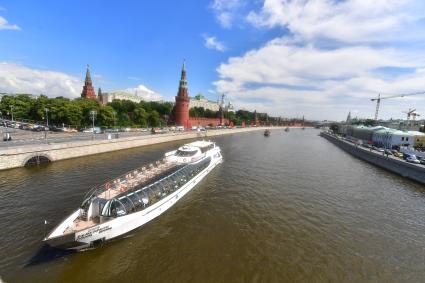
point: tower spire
(183, 76)
(183, 81)
(88, 77)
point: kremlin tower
(182, 101)
(88, 91)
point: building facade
(108, 97)
(200, 101)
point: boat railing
(128, 180)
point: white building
(200, 101)
(108, 97)
(390, 138)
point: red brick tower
(88, 91)
(182, 102)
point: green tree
(154, 119)
(106, 116)
(141, 117)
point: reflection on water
(291, 207)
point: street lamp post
(113, 116)
(93, 114)
(47, 117)
(11, 111)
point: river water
(291, 207)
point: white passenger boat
(135, 198)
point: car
(179, 128)
(388, 152)
(96, 130)
(412, 159)
(406, 155)
(379, 149)
(397, 153)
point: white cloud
(16, 78)
(226, 11)
(145, 93)
(348, 21)
(211, 42)
(5, 25)
(284, 78)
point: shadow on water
(47, 254)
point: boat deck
(78, 225)
(134, 179)
(122, 184)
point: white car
(412, 159)
(179, 128)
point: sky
(318, 58)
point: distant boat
(287, 129)
(267, 133)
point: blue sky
(319, 58)
(125, 42)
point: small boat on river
(287, 129)
(267, 133)
(135, 198)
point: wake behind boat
(135, 198)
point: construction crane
(379, 98)
(411, 113)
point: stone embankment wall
(393, 164)
(18, 156)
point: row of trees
(76, 112)
(119, 113)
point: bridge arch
(37, 159)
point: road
(23, 137)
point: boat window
(143, 196)
(157, 189)
(185, 153)
(135, 199)
(127, 203)
(106, 209)
(116, 209)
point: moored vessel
(267, 133)
(135, 198)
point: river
(290, 207)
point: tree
(334, 127)
(106, 116)
(141, 117)
(154, 119)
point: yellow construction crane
(379, 98)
